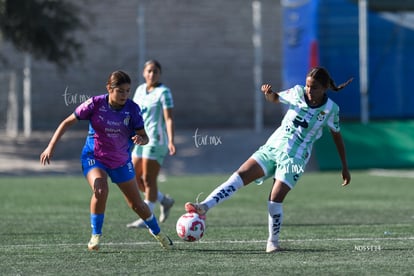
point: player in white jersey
(156, 103)
(287, 151)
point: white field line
(207, 242)
(392, 173)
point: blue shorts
(117, 175)
(280, 165)
(157, 153)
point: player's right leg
(97, 179)
(248, 172)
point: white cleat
(165, 207)
(272, 247)
(139, 223)
(94, 242)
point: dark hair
(118, 78)
(153, 61)
(321, 75)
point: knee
(100, 189)
(101, 193)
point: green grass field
(366, 228)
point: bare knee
(100, 189)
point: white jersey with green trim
(302, 125)
(152, 106)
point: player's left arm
(169, 123)
(340, 147)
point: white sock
(275, 220)
(224, 191)
(160, 196)
(150, 205)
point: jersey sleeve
(166, 99)
(137, 93)
(290, 95)
(333, 120)
(84, 110)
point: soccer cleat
(94, 242)
(272, 247)
(139, 223)
(165, 207)
(200, 209)
(164, 240)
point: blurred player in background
(112, 118)
(156, 103)
(285, 154)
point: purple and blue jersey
(110, 130)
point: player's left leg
(134, 200)
(275, 216)
(288, 172)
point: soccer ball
(190, 227)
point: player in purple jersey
(112, 118)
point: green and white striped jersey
(152, 106)
(302, 125)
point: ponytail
(339, 87)
(322, 76)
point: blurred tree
(44, 28)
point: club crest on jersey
(126, 120)
(321, 116)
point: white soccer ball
(190, 227)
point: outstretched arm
(337, 137)
(269, 94)
(47, 154)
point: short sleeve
(333, 120)
(84, 110)
(166, 99)
(291, 95)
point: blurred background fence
(214, 53)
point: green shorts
(157, 153)
(279, 165)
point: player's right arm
(269, 94)
(47, 154)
